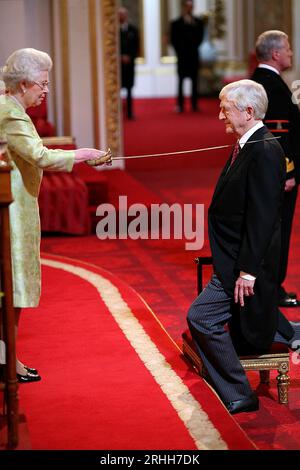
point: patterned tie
(235, 153)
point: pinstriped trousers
(207, 317)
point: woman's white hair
(245, 93)
(24, 64)
(267, 42)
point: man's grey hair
(245, 93)
(267, 42)
(24, 64)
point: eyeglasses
(43, 85)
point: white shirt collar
(249, 133)
(269, 67)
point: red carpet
(105, 384)
(161, 270)
(162, 130)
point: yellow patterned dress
(29, 157)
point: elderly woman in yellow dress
(26, 78)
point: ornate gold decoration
(264, 364)
(232, 65)
(53, 56)
(3, 145)
(136, 16)
(193, 417)
(264, 376)
(94, 71)
(64, 38)
(110, 41)
(106, 158)
(283, 382)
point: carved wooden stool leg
(264, 376)
(283, 382)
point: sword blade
(183, 152)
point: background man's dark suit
(129, 45)
(281, 108)
(186, 39)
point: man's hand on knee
(243, 288)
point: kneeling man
(237, 312)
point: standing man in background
(129, 45)
(283, 120)
(186, 37)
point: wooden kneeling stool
(278, 358)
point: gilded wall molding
(94, 70)
(64, 39)
(53, 56)
(110, 44)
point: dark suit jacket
(244, 232)
(129, 45)
(186, 39)
(281, 107)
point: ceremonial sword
(204, 149)
(182, 152)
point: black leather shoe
(24, 379)
(31, 370)
(244, 405)
(288, 301)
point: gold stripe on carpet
(197, 422)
